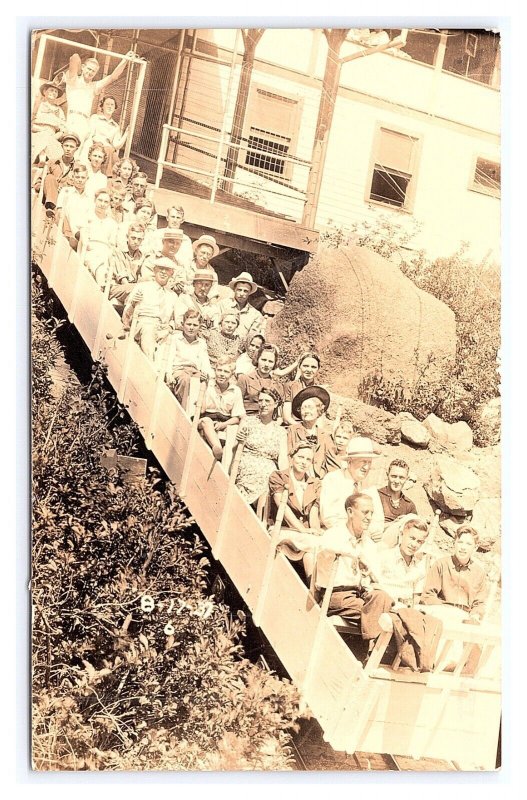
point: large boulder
(437, 428)
(460, 436)
(454, 488)
(414, 431)
(364, 318)
(486, 519)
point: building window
(270, 133)
(264, 150)
(486, 177)
(474, 54)
(394, 166)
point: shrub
(135, 666)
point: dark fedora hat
(307, 394)
(50, 85)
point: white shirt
(352, 566)
(336, 487)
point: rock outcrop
(364, 317)
(454, 488)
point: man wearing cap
(125, 266)
(81, 90)
(60, 173)
(47, 124)
(170, 244)
(202, 283)
(250, 318)
(341, 483)
(155, 304)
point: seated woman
(331, 453)
(260, 378)
(310, 405)
(265, 447)
(98, 238)
(223, 341)
(48, 123)
(247, 361)
(222, 405)
(126, 169)
(307, 368)
(104, 129)
(189, 357)
(301, 512)
(96, 176)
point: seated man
(250, 318)
(175, 216)
(394, 502)
(75, 205)
(170, 245)
(155, 304)
(60, 173)
(351, 598)
(199, 300)
(342, 483)
(457, 584)
(125, 266)
(222, 405)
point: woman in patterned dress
(265, 447)
(223, 341)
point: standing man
(250, 318)
(394, 502)
(60, 173)
(342, 483)
(81, 90)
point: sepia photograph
(265, 399)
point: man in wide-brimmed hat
(47, 124)
(205, 248)
(251, 320)
(199, 300)
(342, 483)
(170, 243)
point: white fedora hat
(361, 447)
(244, 277)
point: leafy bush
(134, 664)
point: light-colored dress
(260, 456)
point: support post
(231, 489)
(160, 383)
(193, 438)
(135, 108)
(101, 325)
(130, 344)
(271, 555)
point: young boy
(222, 405)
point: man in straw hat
(251, 320)
(341, 483)
(170, 244)
(156, 306)
(205, 249)
(202, 283)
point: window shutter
(395, 151)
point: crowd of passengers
(166, 289)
